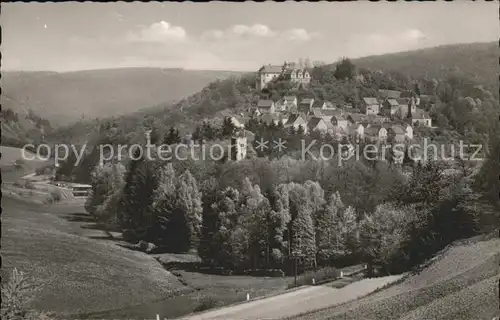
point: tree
(172, 137)
(189, 203)
(135, 206)
(227, 127)
(208, 131)
(382, 235)
(345, 69)
(303, 242)
(197, 134)
(154, 135)
(210, 220)
(107, 183)
(326, 233)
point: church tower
(238, 145)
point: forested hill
(456, 80)
(478, 61)
(67, 97)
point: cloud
(258, 31)
(413, 34)
(158, 32)
(300, 35)
(239, 31)
(233, 47)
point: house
(332, 113)
(336, 131)
(290, 102)
(406, 104)
(267, 74)
(376, 119)
(255, 113)
(356, 131)
(390, 107)
(296, 121)
(339, 121)
(273, 118)
(237, 122)
(375, 133)
(305, 105)
(328, 106)
(411, 94)
(356, 118)
(389, 94)
(369, 106)
(315, 112)
(408, 131)
(420, 117)
(266, 106)
(287, 104)
(396, 133)
(317, 104)
(296, 75)
(317, 124)
(287, 71)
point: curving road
(296, 302)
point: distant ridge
(65, 97)
(475, 60)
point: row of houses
(370, 107)
(290, 104)
(390, 103)
(354, 126)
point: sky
(229, 36)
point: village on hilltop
(389, 116)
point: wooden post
(248, 296)
(157, 317)
(295, 270)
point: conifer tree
(136, 207)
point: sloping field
(11, 154)
(460, 284)
(77, 274)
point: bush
(55, 195)
(29, 185)
(265, 272)
(206, 303)
(15, 296)
(221, 271)
(144, 246)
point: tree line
(239, 220)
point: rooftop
(271, 69)
(265, 103)
(389, 93)
(393, 102)
(370, 100)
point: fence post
(157, 317)
(248, 296)
(341, 273)
(314, 281)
